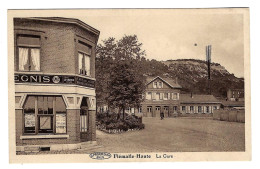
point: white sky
(171, 34)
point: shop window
(84, 58)
(28, 53)
(48, 113)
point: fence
(229, 115)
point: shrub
(110, 122)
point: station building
(163, 95)
(55, 100)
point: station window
(84, 58)
(199, 109)
(44, 114)
(149, 109)
(207, 109)
(159, 84)
(28, 53)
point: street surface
(172, 135)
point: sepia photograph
(129, 84)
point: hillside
(192, 75)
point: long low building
(194, 103)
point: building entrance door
(166, 111)
(84, 120)
(157, 111)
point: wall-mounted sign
(54, 79)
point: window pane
(80, 61)
(40, 104)
(50, 105)
(23, 59)
(87, 65)
(60, 105)
(35, 60)
(29, 106)
(45, 124)
(29, 115)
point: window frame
(83, 63)
(29, 47)
(37, 116)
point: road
(177, 135)
(171, 135)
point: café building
(54, 65)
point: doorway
(84, 120)
(157, 111)
(166, 111)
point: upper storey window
(157, 84)
(84, 59)
(28, 53)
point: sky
(171, 34)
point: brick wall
(92, 126)
(58, 44)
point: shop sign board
(54, 79)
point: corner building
(54, 65)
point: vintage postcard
(129, 85)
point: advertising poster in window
(29, 120)
(60, 123)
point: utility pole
(208, 60)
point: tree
(104, 60)
(112, 54)
(126, 86)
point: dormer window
(154, 84)
(28, 53)
(159, 84)
(84, 59)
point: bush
(110, 122)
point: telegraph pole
(208, 60)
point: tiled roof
(198, 98)
(170, 81)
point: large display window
(44, 115)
